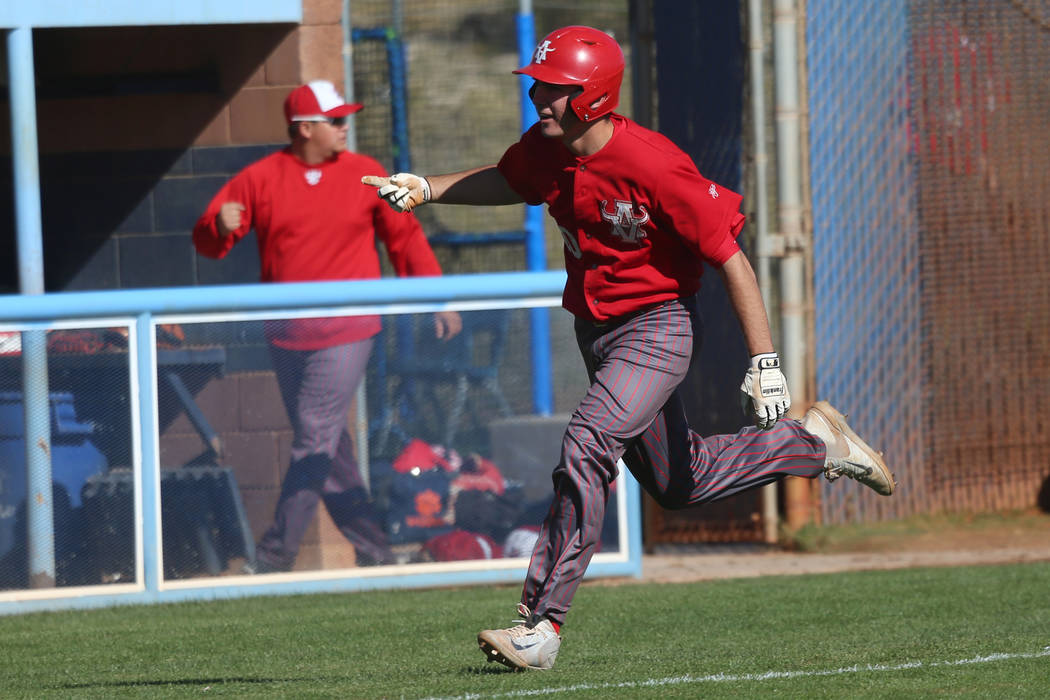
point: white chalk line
(736, 678)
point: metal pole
(757, 48)
(535, 249)
(348, 72)
(789, 198)
(360, 423)
(642, 38)
(29, 231)
(148, 507)
(399, 100)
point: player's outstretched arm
(764, 393)
(746, 299)
(485, 185)
(406, 191)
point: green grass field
(963, 632)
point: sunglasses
(337, 122)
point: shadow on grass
(492, 669)
(177, 681)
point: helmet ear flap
(593, 106)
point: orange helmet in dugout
(585, 57)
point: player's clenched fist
(402, 191)
(764, 393)
(228, 219)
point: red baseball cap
(316, 101)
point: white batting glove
(764, 393)
(402, 191)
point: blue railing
(143, 309)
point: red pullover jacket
(317, 222)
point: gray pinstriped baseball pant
(318, 387)
(634, 410)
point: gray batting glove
(764, 393)
(402, 191)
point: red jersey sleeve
(515, 166)
(706, 215)
(206, 238)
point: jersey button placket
(582, 205)
(580, 191)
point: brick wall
(245, 409)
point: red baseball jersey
(317, 222)
(637, 217)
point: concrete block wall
(245, 410)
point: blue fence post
(29, 231)
(535, 249)
(40, 529)
(398, 101)
(148, 467)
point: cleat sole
(492, 654)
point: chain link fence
(418, 481)
(926, 162)
(462, 109)
(88, 415)
(928, 157)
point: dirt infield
(684, 568)
(998, 539)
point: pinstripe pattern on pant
(317, 387)
(633, 409)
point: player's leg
(634, 367)
(317, 405)
(349, 503)
(345, 495)
(680, 468)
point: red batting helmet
(581, 56)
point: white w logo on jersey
(625, 223)
(542, 50)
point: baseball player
(637, 221)
(313, 221)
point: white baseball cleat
(526, 645)
(848, 455)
